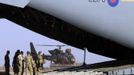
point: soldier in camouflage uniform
(35, 72)
(70, 57)
(15, 62)
(40, 61)
(29, 64)
(43, 57)
(20, 63)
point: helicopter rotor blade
(44, 45)
(50, 45)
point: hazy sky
(15, 37)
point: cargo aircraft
(104, 27)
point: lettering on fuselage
(96, 0)
(112, 3)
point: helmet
(68, 50)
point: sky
(15, 37)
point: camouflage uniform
(20, 64)
(15, 62)
(70, 57)
(35, 72)
(40, 61)
(29, 64)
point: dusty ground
(2, 71)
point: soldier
(43, 57)
(63, 58)
(35, 72)
(7, 63)
(40, 61)
(29, 64)
(70, 57)
(20, 63)
(15, 60)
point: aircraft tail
(33, 51)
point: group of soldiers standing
(28, 63)
(32, 63)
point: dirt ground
(2, 71)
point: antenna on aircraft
(59, 46)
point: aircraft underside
(57, 29)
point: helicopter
(57, 55)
